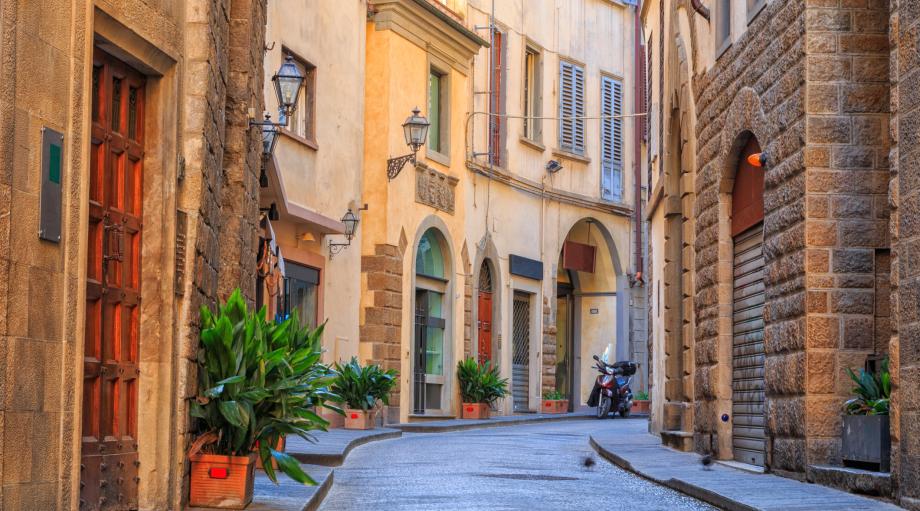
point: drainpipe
(700, 8)
(638, 94)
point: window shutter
(611, 139)
(571, 104)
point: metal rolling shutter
(748, 439)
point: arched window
(485, 278)
(431, 360)
(428, 260)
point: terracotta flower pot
(555, 406)
(359, 419)
(221, 481)
(279, 448)
(640, 406)
(475, 411)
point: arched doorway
(484, 309)
(748, 434)
(590, 314)
(431, 340)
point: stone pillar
(846, 206)
(905, 238)
(382, 327)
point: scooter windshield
(609, 354)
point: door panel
(748, 438)
(520, 368)
(109, 459)
(484, 325)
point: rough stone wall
(755, 86)
(37, 325)
(905, 238)
(548, 372)
(808, 80)
(243, 151)
(382, 326)
(847, 206)
(224, 55)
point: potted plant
(554, 402)
(866, 433)
(361, 388)
(480, 387)
(258, 381)
(640, 403)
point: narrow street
(533, 467)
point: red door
(109, 459)
(485, 326)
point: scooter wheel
(603, 407)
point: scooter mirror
(595, 358)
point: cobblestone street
(530, 467)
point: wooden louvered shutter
(496, 123)
(571, 105)
(611, 139)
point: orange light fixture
(756, 159)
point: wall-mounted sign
(49, 207)
(525, 267)
(578, 256)
(595, 311)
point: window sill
(437, 157)
(533, 144)
(300, 140)
(571, 156)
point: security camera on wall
(553, 166)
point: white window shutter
(611, 139)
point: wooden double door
(109, 460)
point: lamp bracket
(395, 165)
(335, 248)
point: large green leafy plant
(872, 392)
(258, 381)
(480, 383)
(360, 387)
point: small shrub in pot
(361, 388)
(480, 387)
(866, 439)
(554, 402)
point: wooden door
(484, 326)
(109, 460)
(484, 314)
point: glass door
(429, 351)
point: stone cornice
(427, 27)
(554, 194)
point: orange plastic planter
(555, 406)
(640, 406)
(475, 411)
(359, 419)
(223, 482)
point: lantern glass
(351, 224)
(416, 129)
(288, 83)
(269, 139)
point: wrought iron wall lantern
(351, 227)
(415, 130)
(288, 84)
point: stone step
(680, 440)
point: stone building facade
(480, 201)
(125, 126)
(812, 86)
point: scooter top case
(628, 368)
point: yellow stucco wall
(325, 178)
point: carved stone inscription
(434, 188)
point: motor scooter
(611, 388)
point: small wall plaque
(49, 223)
(595, 311)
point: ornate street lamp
(416, 131)
(351, 226)
(288, 84)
